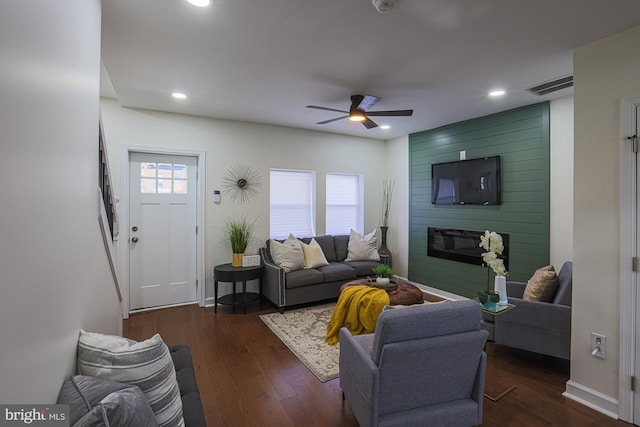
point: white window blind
(344, 203)
(292, 203)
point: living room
(56, 278)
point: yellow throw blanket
(357, 309)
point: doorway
(163, 215)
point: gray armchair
(540, 327)
(424, 365)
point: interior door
(162, 233)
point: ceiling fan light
(357, 115)
(200, 3)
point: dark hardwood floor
(248, 377)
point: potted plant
(239, 237)
(382, 272)
(491, 242)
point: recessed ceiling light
(497, 92)
(178, 95)
(385, 127)
(200, 3)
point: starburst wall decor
(242, 183)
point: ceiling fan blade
(369, 124)
(367, 102)
(331, 120)
(326, 109)
(390, 113)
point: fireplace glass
(461, 245)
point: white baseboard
(142, 310)
(592, 398)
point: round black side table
(228, 273)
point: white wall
(263, 147)
(54, 276)
(398, 234)
(561, 179)
(604, 72)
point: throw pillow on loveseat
(98, 402)
(147, 364)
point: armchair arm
(515, 289)
(544, 315)
(477, 393)
(359, 375)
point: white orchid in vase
(491, 242)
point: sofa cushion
(313, 255)
(336, 271)
(341, 243)
(362, 248)
(299, 278)
(362, 268)
(542, 286)
(287, 255)
(326, 242)
(97, 402)
(146, 364)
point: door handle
(134, 239)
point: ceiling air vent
(552, 86)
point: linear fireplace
(461, 245)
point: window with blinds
(292, 203)
(345, 201)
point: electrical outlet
(598, 345)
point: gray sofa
(540, 327)
(99, 402)
(316, 284)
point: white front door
(162, 231)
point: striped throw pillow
(147, 364)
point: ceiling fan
(359, 111)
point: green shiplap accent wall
(521, 138)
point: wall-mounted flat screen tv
(466, 182)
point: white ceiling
(264, 60)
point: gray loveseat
(100, 402)
(540, 327)
(314, 284)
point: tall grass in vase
(239, 237)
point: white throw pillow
(362, 248)
(287, 255)
(313, 255)
(146, 364)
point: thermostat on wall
(251, 260)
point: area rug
(303, 331)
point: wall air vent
(552, 86)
